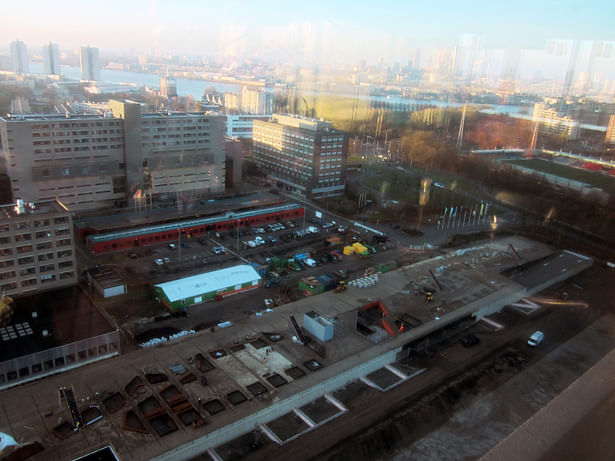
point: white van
(310, 262)
(536, 338)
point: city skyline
(278, 31)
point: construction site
(241, 390)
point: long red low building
(151, 235)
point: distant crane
(532, 147)
(461, 126)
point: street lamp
(179, 243)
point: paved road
(434, 234)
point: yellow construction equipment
(341, 286)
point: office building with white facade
(240, 126)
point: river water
(196, 88)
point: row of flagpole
(461, 216)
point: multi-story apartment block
(36, 247)
(104, 160)
(79, 160)
(51, 59)
(90, 63)
(610, 131)
(306, 156)
(256, 101)
(232, 101)
(168, 87)
(19, 57)
(183, 153)
(552, 123)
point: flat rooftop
(204, 207)
(39, 208)
(255, 364)
(67, 315)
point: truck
(302, 256)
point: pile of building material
(164, 339)
(364, 282)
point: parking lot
(169, 261)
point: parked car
(172, 246)
(166, 260)
(219, 250)
(290, 224)
(272, 283)
(536, 338)
(310, 262)
(159, 262)
(470, 340)
(327, 225)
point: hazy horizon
(343, 31)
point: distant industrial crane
(461, 126)
(532, 147)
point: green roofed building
(200, 288)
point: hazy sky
(315, 30)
